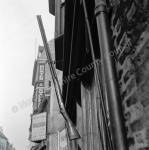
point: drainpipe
(110, 76)
(97, 80)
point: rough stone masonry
(130, 22)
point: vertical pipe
(89, 142)
(90, 121)
(109, 70)
(84, 116)
(95, 125)
(98, 84)
(57, 18)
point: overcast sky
(19, 40)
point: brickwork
(130, 24)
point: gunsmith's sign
(39, 127)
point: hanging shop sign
(40, 94)
(39, 127)
(41, 79)
(41, 74)
(63, 145)
(3, 144)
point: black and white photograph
(74, 74)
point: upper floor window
(62, 16)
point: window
(62, 16)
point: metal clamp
(100, 7)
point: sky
(19, 40)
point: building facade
(10, 146)
(103, 45)
(47, 124)
(4, 143)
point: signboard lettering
(40, 95)
(41, 74)
(39, 127)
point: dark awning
(73, 53)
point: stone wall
(130, 26)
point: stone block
(131, 85)
(136, 111)
(123, 94)
(128, 74)
(131, 141)
(145, 101)
(144, 88)
(141, 74)
(127, 116)
(130, 22)
(137, 125)
(131, 100)
(131, 12)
